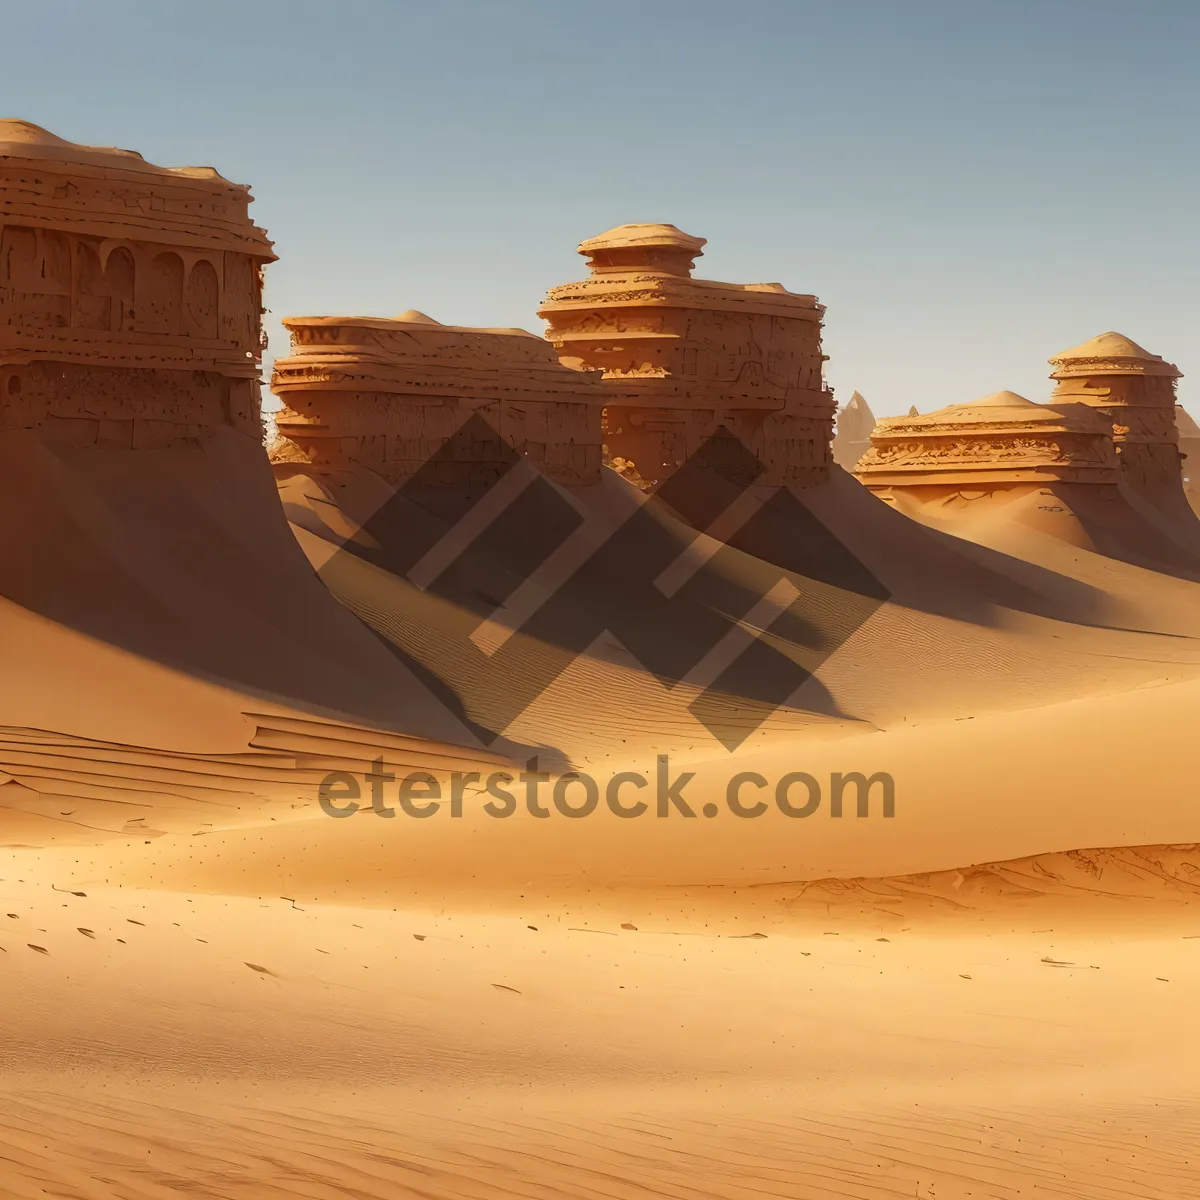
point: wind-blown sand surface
(277, 1003)
(212, 989)
(1023, 1030)
(247, 998)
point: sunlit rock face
(1002, 441)
(684, 357)
(1134, 391)
(399, 396)
(130, 295)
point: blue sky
(969, 186)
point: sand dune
(959, 1151)
(171, 659)
(968, 629)
(955, 1035)
(981, 983)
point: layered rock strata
(396, 395)
(1134, 391)
(1000, 441)
(130, 295)
(684, 357)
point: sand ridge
(622, 548)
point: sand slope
(228, 994)
(213, 989)
(960, 1036)
(171, 660)
(968, 628)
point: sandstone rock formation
(130, 295)
(683, 357)
(395, 395)
(170, 656)
(341, 1003)
(1001, 467)
(1000, 441)
(1134, 391)
(855, 420)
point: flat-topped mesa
(397, 395)
(999, 443)
(1134, 390)
(855, 421)
(130, 295)
(682, 357)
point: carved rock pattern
(682, 356)
(132, 286)
(391, 394)
(999, 441)
(1134, 392)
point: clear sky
(968, 185)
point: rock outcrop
(153, 600)
(684, 357)
(1134, 391)
(1000, 441)
(855, 420)
(130, 295)
(404, 394)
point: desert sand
(215, 989)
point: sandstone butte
(1001, 442)
(159, 614)
(394, 394)
(1135, 391)
(682, 357)
(212, 987)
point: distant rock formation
(855, 420)
(1134, 391)
(1000, 441)
(130, 295)
(683, 357)
(397, 394)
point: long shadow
(184, 558)
(825, 558)
(744, 647)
